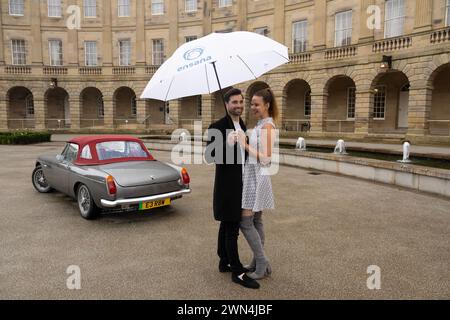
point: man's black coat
(228, 181)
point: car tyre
(39, 181)
(86, 205)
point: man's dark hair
(232, 92)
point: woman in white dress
(257, 193)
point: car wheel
(86, 204)
(39, 181)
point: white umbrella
(217, 60)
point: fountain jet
(406, 152)
(340, 147)
(301, 144)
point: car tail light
(185, 176)
(111, 185)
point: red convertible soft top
(92, 141)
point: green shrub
(24, 137)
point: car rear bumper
(125, 202)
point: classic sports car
(110, 172)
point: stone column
(242, 15)
(318, 112)
(174, 112)
(36, 46)
(107, 34)
(173, 27)
(320, 17)
(281, 101)
(419, 109)
(2, 48)
(3, 114)
(140, 33)
(40, 113)
(366, 34)
(141, 113)
(75, 113)
(279, 17)
(207, 11)
(364, 108)
(423, 15)
(207, 110)
(109, 108)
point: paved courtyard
(326, 231)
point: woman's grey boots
(253, 231)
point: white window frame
(199, 106)
(54, 8)
(123, 8)
(88, 54)
(125, 56)
(190, 6)
(157, 55)
(263, 31)
(300, 41)
(384, 90)
(307, 116)
(90, 8)
(18, 6)
(190, 38)
(59, 55)
(351, 101)
(18, 52)
(391, 21)
(100, 107)
(225, 3)
(343, 28)
(157, 7)
(133, 106)
(447, 16)
(29, 106)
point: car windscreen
(119, 150)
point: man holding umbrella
(204, 66)
(229, 159)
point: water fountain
(340, 148)
(406, 152)
(301, 144)
(183, 137)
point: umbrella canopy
(217, 60)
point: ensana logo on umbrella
(194, 54)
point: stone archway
(190, 110)
(390, 103)
(439, 119)
(340, 105)
(20, 108)
(297, 109)
(58, 108)
(157, 112)
(92, 108)
(125, 107)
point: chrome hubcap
(39, 180)
(84, 200)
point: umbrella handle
(230, 122)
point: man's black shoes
(245, 281)
(227, 268)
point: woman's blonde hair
(269, 98)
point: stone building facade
(359, 68)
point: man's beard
(235, 113)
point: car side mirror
(60, 157)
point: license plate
(154, 204)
